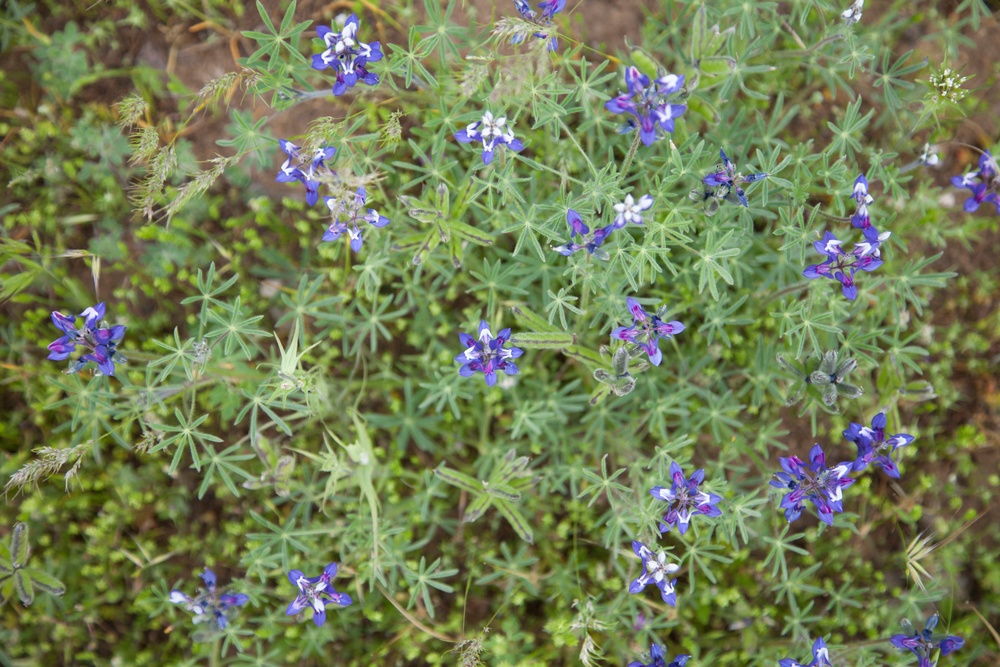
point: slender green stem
(572, 137)
(628, 158)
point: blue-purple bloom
(923, 643)
(658, 655)
(208, 604)
(980, 183)
(492, 132)
(346, 218)
(812, 481)
(649, 103)
(655, 570)
(100, 341)
(316, 593)
(487, 354)
(821, 657)
(647, 330)
(874, 446)
(292, 169)
(577, 227)
(549, 8)
(346, 54)
(725, 182)
(685, 499)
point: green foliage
(289, 403)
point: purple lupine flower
(821, 657)
(648, 101)
(860, 194)
(578, 228)
(208, 604)
(874, 446)
(821, 486)
(492, 132)
(292, 168)
(981, 183)
(316, 593)
(647, 330)
(349, 56)
(347, 216)
(549, 8)
(841, 265)
(487, 354)
(853, 13)
(655, 570)
(658, 655)
(725, 182)
(99, 342)
(923, 643)
(685, 499)
(630, 211)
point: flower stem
(628, 158)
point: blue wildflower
(549, 8)
(655, 570)
(685, 499)
(923, 643)
(649, 102)
(577, 227)
(100, 342)
(981, 184)
(316, 593)
(208, 604)
(346, 218)
(874, 446)
(860, 194)
(812, 481)
(647, 330)
(492, 132)
(315, 165)
(487, 354)
(821, 657)
(725, 182)
(658, 655)
(349, 56)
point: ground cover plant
(516, 333)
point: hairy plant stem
(629, 158)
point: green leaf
(45, 581)
(461, 480)
(23, 586)
(6, 568)
(469, 233)
(543, 340)
(19, 549)
(516, 521)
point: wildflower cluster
(316, 593)
(821, 485)
(874, 446)
(649, 103)
(655, 570)
(347, 216)
(628, 211)
(684, 499)
(724, 183)
(347, 55)
(841, 265)
(487, 354)
(658, 655)
(306, 169)
(647, 330)
(924, 643)
(99, 340)
(981, 183)
(948, 85)
(492, 132)
(543, 19)
(209, 604)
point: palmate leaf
(44, 581)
